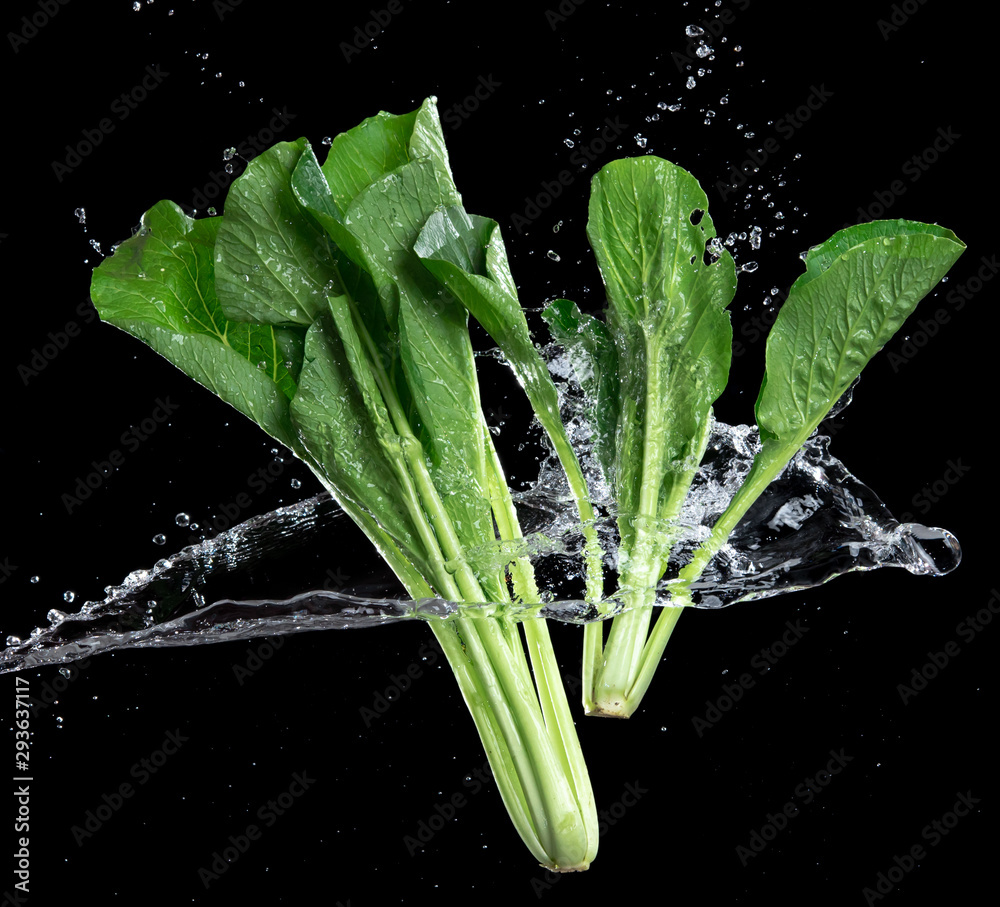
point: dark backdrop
(852, 111)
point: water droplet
(569, 143)
(55, 616)
(702, 50)
(66, 672)
(749, 267)
(557, 227)
(34, 579)
(81, 215)
(694, 31)
(295, 483)
(182, 519)
(159, 539)
(641, 140)
(13, 640)
(690, 82)
(69, 596)
(554, 256)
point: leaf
(466, 253)
(343, 424)
(649, 227)
(858, 289)
(274, 264)
(158, 286)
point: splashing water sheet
(230, 695)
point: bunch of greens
(330, 304)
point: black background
(892, 91)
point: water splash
(815, 522)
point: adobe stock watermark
(733, 692)
(6, 570)
(140, 772)
(785, 126)
(447, 810)
(55, 343)
(913, 168)
(45, 12)
(365, 34)
(258, 482)
(934, 491)
(237, 845)
(933, 833)
(51, 690)
(582, 157)
(565, 9)
(132, 439)
(247, 148)
(899, 15)
(805, 792)
(459, 112)
(260, 654)
(606, 820)
(712, 28)
(929, 327)
(121, 107)
(966, 630)
(382, 701)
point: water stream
(815, 522)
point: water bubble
(159, 539)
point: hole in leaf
(694, 258)
(696, 216)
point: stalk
(528, 734)
(620, 672)
(762, 473)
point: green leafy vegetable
(307, 308)
(330, 304)
(858, 288)
(670, 342)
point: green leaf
(436, 352)
(273, 263)
(860, 287)
(158, 286)
(466, 253)
(649, 227)
(344, 426)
